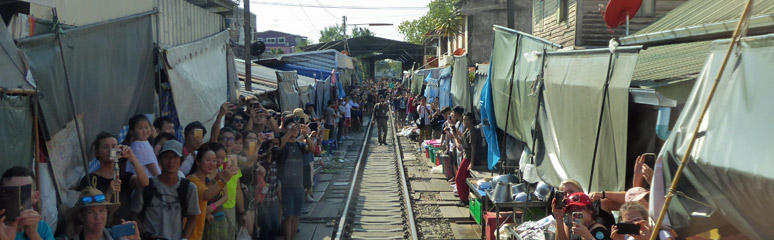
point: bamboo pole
(18, 91)
(734, 39)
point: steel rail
(345, 211)
(403, 182)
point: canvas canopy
(460, 84)
(515, 67)
(288, 91)
(729, 170)
(198, 78)
(574, 86)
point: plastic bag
(242, 234)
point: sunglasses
(227, 139)
(242, 121)
(93, 199)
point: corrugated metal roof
(677, 62)
(264, 78)
(324, 59)
(182, 22)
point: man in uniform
(380, 113)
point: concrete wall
(482, 15)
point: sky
(309, 18)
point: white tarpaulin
(198, 76)
(730, 167)
(572, 101)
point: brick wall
(545, 22)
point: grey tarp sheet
(322, 93)
(460, 84)
(15, 111)
(198, 77)
(572, 100)
(514, 70)
(730, 167)
(305, 94)
(16, 137)
(416, 83)
(11, 64)
(288, 90)
(233, 79)
(110, 67)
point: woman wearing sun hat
(90, 215)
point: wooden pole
(36, 131)
(248, 39)
(734, 38)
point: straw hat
(93, 194)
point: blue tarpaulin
(317, 74)
(488, 122)
(431, 89)
(444, 94)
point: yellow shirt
(231, 187)
(198, 231)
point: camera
(628, 228)
(116, 153)
(560, 201)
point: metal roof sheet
(676, 62)
(264, 78)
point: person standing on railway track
(380, 113)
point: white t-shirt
(145, 155)
(348, 108)
(187, 164)
(424, 113)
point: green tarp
(460, 84)
(570, 114)
(16, 132)
(515, 68)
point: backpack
(151, 191)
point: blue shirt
(43, 230)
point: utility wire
(326, 9)
(307, 15)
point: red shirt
(409, 104)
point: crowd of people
(254, 173)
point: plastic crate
(475, 209)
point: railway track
(378, 204)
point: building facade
(579, 23)
(280, 42)
(480, 16)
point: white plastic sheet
(199, 79)
(574, 88)
(730, 167)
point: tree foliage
(334, 33)
(442, 16)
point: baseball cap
(636, 194)
(174, 146)
(309, 104)
(578, 199)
